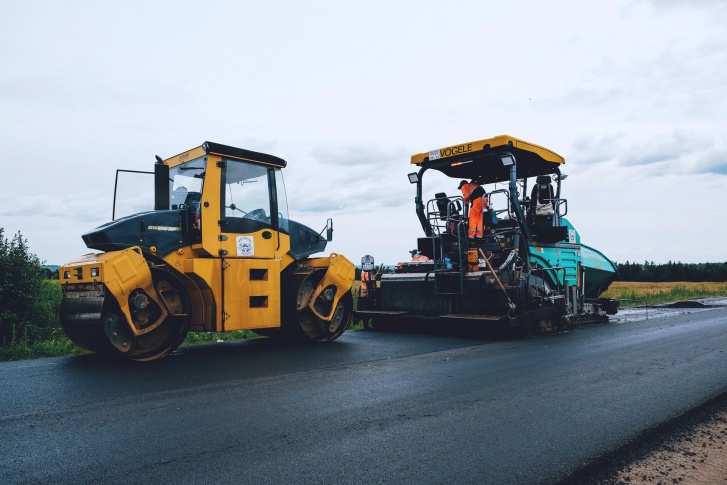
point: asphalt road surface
(370, 408)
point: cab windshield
(185, 182)
(253, 197)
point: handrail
(507, 195)
(449, 223)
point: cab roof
(212, 148)
(481, 160)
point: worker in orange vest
(474, 195)
(367, 293)
(416, 255)
(366, 276)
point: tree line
(652, 272)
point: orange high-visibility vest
(466, 191)
(474, 217)
(366, 276)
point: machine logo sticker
(449, 151)
(164, 228)
(245, 246)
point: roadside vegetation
(633, 293)
(30, 302)
(671, 271)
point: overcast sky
(632, 93)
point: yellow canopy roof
(481, 160)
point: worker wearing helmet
(366, 294)
(474, 195)
(416, 255)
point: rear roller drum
(300, 322)
(320, 330)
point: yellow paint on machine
(185, 156)
(252, 294)
(341, 273)
(120, 271)
(247, 291)
(474, 146)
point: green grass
(635, 293)
(207, 337)
(22, 349)
(61, 346)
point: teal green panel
(551, 257)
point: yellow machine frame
(226, 291)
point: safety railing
(445, 212)
(447, 219)
(499, 212)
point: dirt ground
(696, 457)
(690, 450)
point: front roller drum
(81, 322)
(299, 321)
(98, 324)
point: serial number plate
(435, 155)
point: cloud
(692, 4)
(676, 152)
(618, 148)
(86, 207)
(352, 178)
(368, 156)
(666, 148)
(712, 161)
(669, 75)
(592, 149)
(632, 89)
(682, 152)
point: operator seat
(442, 203)
(542, 213)
(178, 196)
(541, 203)
(541, 198)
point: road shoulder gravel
(688, 449)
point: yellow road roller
(217, 253)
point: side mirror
(161, 186)
(329, 230)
